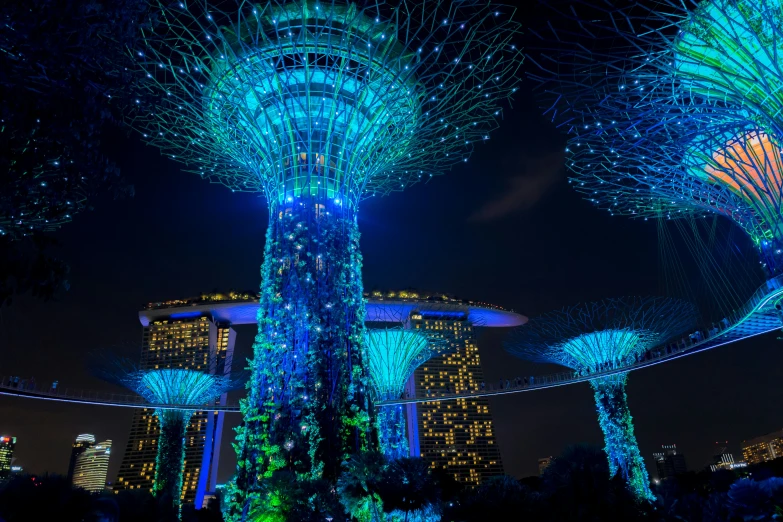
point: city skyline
(178, 302)
(755, 450)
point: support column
(391, 431)
(170, 458)
(621, 447)
(412, 418)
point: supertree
(56, 102)
(318, 105)
(683, 119)
(393, 354)
(170, 387)
(603, 336)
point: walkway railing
(20, 387)
(757, 317)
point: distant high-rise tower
(544, 463)
(91, 467)
(83, 441)
(456, 435)
(669, 462)
(764, 448)
(198, 338)
(7, 445)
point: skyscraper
(457, 435)
(91, 467)
(81, 444)
(764, 448)
(669, 462)
(7, 445)
(199, 339)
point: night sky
(504, 228)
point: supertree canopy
(56, 90)
(602, 336)
(684, 120)
(318, 105)
(393, 354)
(171, 387)
(727, 51)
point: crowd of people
(19, 383)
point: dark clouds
(524, 190)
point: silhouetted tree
(142, 506)
(499, 498)
(407, 486)
(578, 487)
(210, 513)
(27, 498)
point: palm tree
(357, 486)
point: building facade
(722, 458)
(7, 445)
(80, 445)
(92, 466)
(193, 339)
(669, 462)
(764, 448)
(456, 436)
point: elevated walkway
(757, 317)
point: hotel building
(458, 435)
(764, 448)
(182, 334)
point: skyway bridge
(759, 316)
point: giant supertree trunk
(617, 424)
(170, 459)
(392, 432)
(307, 409)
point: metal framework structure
(674, 109)
(317, 105)
(393, 354)
(171, 386)
(609, 334)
